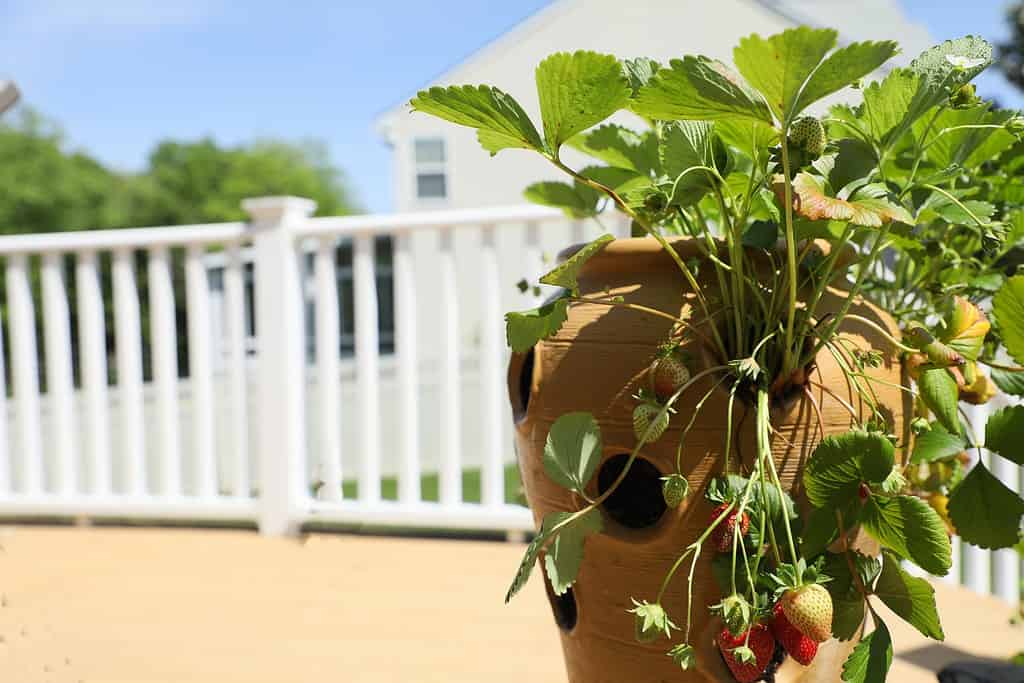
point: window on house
(429, 159)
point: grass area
(430, 487)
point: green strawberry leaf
(936, 444)
(911, 528)
(639, 72)
(499, 120)
(572, 450)
(848, 604)
(912, 598)
(939, 71)
(684, 145)
(1008, 308)
(565, 554)
(886, 103)
(839, 464)
(1004, 433)
(524, 329)
(985, 512)
(939, 392)
(779, 65)
(565, 273)
(842, 68)
(1008, 382)
(577, 91)
(547, 529)
(870, 660)
(621, 147)
(577, 200)
(699, 89)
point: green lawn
(429, 487)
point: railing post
(280, 348)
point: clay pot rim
(644, 250)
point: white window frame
(434, 167)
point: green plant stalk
(950, 197)
(830, 260)
(851, 295)
(736, 257)
(765, 453)
(693, 547)
(693, 418)
(787, 358)
(698, 292)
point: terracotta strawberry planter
(594, 364)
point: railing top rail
(426, 220)
(128, 238)
(226, 233)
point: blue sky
(121, 74)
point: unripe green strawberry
(809, 610)
(674, 489)
(808, 134)
(669, 374)
(647, 415)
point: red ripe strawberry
(761, 643)
(796, 644)
(721, 537)
(669, 373)
(809, 609)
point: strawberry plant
(909, 196)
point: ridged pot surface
(595, 363)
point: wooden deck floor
(106, 605)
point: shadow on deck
(111, 605)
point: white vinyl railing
(259, 430)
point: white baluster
(328, 347)
(577, 232)
(25, 373)
(977, 562)
(953, 577)
(533, 262)
(408, 365)
(93, 341)
(128, 340)
(367, 366)
(165, 369)
(200, 370)
(1006, 562)
(451, 408)
(60, 381)
(492, 359)
(234, 294)
(5, 453)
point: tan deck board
(106, 605)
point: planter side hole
(520, 383)
(563, 607)
(637, 503)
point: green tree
(47, 187)
(200, 182)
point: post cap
(278, 209)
